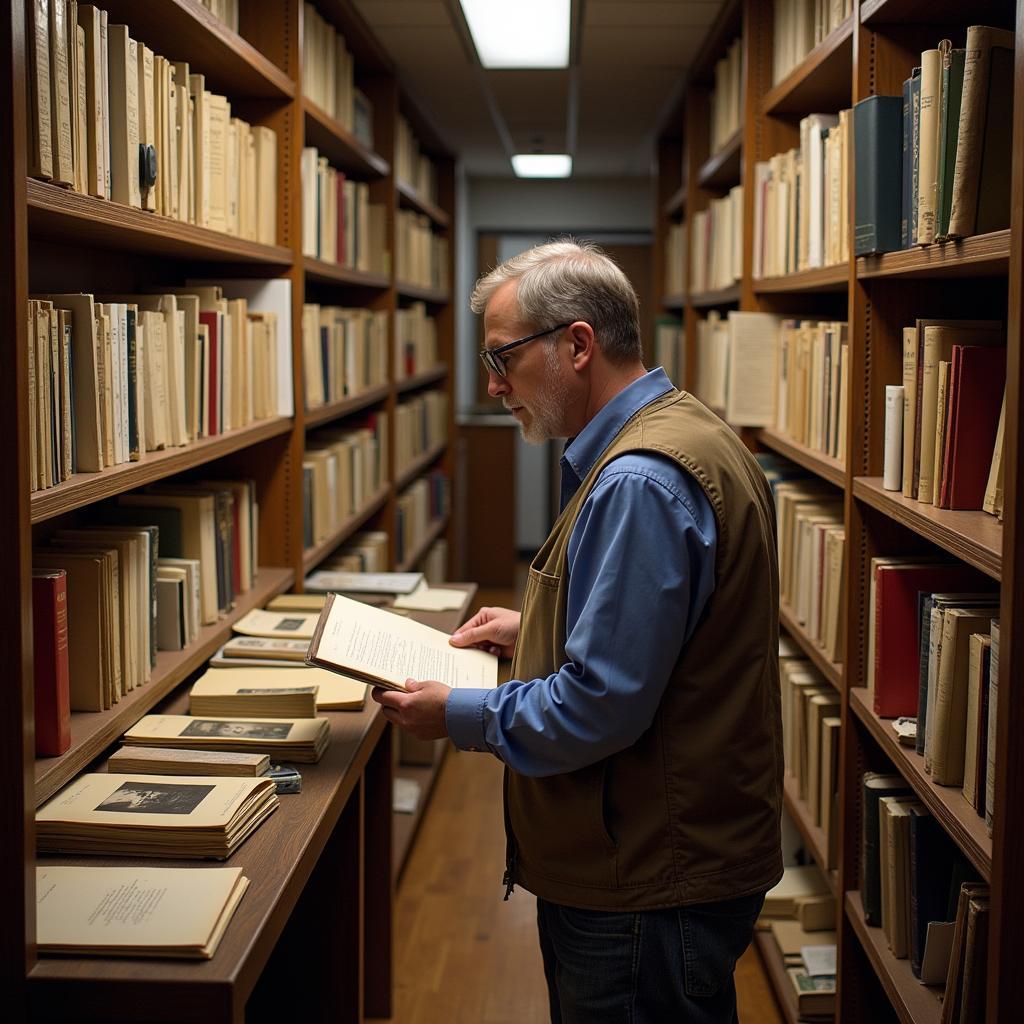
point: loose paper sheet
(431, 599)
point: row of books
(812, 540)
(813, 374)
(110, 118)
(339, 223)
(716, 243)
(800, 915)
(675, 259)
(933, 656)
(934, 163)
(366, 551)
(421, 257)
(328, 77)
(944, 436)
(810, 731)
(736, 374)
(801, 200)
(925, 896)
(421, 423)
(419, 506)
(727, 97)
(145, 576)
(344, 352)
(225, 10)
(415, 341)
(111, 380)
(412, 166)
(799, 26)
(670, 349)
(341, 472)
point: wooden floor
(462, 955)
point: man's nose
(496, 385)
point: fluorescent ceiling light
(542, 165)
(519, 33)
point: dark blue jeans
(648, 967)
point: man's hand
(492, 629)
(420, 711)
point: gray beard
(547, 409)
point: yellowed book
(147, 119)
(124, 116)
(62, 146)
(89, 18)
(330, 691)
(40, 120)
(928, 150)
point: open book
(386, 649)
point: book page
(286, 625)
(207, 729)
(388, 649)
(365, 582)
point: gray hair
(563, 281)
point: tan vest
(690, 812)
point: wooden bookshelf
(313, 556)
(946, 803)
(709, 300)
(335, 273)
(974, 537)
(821, 279)
(422, 380)
(339, 145)
(771, 958)
(913, 1002)
(675, 205)
(933, 12)
(977, 256)
(722, 169)
(819, 463)
(434, 531)
(418, 465)
(62, 215)
(821, 80)
(347, 406)
(431, 296)
(83, 489)
(673, 302)
(831, 670)
(410, 198)
(814, 835)
(93, 731)
(406, 825)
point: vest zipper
(509, 878)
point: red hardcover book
(340, 253)
(897, 641)
(972, 430)
(50, 656)
(946, 462)
(210, 318)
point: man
(641, 727)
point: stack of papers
(231, 688)
(167, 761)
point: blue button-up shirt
(641, 564)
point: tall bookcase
(334, 853)
(872, 52)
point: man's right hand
(492, 629)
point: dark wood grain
(979, 255)
(346, 407)
(422, 379)
(339, 145)
(822, 465)
(335, 273)
(821, 279)
(821, 82)
(722, 169)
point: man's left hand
(420, 711)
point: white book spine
(893, 479)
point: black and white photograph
(155, 798)
(276, 689)
(228, 730)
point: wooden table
(311, 939)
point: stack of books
(284, 690)
(344, 352)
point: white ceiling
(630, 60)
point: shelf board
(973, 536)
(913, 1002)
(313, 556)
(436, 528)
(977, 256)
(409, 197)
(75, 219)
(335, 273)
(85, 488)
(419, 380)
(771, 958)
(946, 803)
(821, 81)
(231, 64)
(722, 170)
(831, 670)
(676, 203)
(820, 279)
(432, 296)
(814, 835)
(932, 12)
(418, 465)
(278, 859)
(339, 145)
(723, 297)
(347, 406)
(819, 463)
(93, 731)
(675, 302)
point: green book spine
(949, 130)
(915, 148)
(878, 158)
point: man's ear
(583, 343)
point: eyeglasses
(494, 358)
